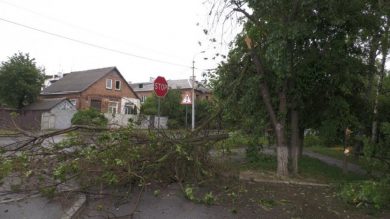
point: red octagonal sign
(160, 86)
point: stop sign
(160, 86)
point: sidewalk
(335, 162)
(239, 153)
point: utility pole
(193, 95)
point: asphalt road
(18, 206)
(31, 208)
(170, 203)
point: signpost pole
(186, 116)
(158, 113)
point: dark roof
(77, 81)
(173, 84)
(45, 104)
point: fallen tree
(96, 158)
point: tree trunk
(294, 141)
(371, 66)
(301, 140)
(281, 151)
(385, 47)
(281, 146)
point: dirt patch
(273, 200)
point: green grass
(335, 152)
(309, 168)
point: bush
(173, 124)
(367, 193)
(312, 140)
(90, 117)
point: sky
(143, 39)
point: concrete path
(335, 162)
(239, 153)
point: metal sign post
(158, 113)
(186, 116)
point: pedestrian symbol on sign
(186, 100)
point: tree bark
(384, 48)
(294, 141)
(301, 140)
(278, 126)
(371, 66)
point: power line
(93, 44)
(83, 28)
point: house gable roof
(79, 81)
(45, 104)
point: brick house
(145, 89)
(104, 89)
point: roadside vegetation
(300, 75)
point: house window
(109, 83)
(117, 85)
(143, 99)
(130, 108)
(73, 101)
(96, 104)
(113, 107)
(140, 86)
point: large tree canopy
(20, 80)
(300, 64)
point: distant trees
(20, 80)
(171, 107)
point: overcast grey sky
(165, 31)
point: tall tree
(20, 80)
(383, 17)
(303, 56)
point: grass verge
(309, 169)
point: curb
(76, 208)
(248, 176)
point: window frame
(120, 85)
(109, 87)
(143, 99)
(110, 107)
(130, 109)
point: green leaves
(367, 194)
(90, 117)
(20, 81)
